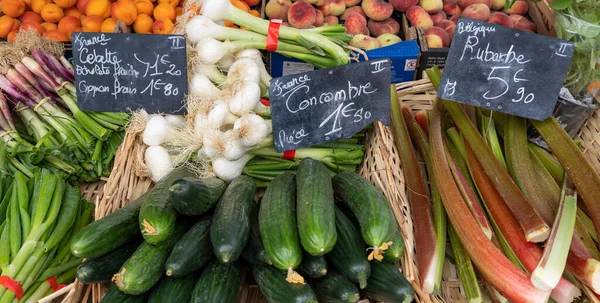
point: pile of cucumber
(191, 240)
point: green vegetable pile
(188, 240)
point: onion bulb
(244, 97)
(229, 170)
(158, 161)
(220, 115)
(244, 69)
(201, 86)
(177, 121)
(251, 129)
(213, 144)
(158, 131)
(256, 56)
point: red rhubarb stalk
(586, 180)
(536, 230)
(507, 278)
(425, 236)
(421, 118)
(528, 253)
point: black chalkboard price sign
(329, 104)
(504, 69)
(126, 72)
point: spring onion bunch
(41, 124)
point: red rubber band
(289, 154)
(12, 285)
(265, 102)
(273, 35)
(55, 286)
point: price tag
(503, 69)
(329, 104)
(126, 72)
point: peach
(438, 17)
(108, 25)
(144, 7)
(320, 2)
(252, 2)
(403, 5)
(13, 8)
(465, 3)
(97, 8)
(419, 17)
(377, 10)
(498, 5)
(125, 11)
(301, 15)
(432, 6)
(81, 4)
(500, 18)
(355, 24)
(350, 10)
(91, 24)
(350, 3)
(68, 24)
(478, 11)
(440, 32)
(520, 22)
(455, 18)
(31, 16)
(329, 20)
(333, 8)
(388, 26)
(452, 8)
(143, 24)
(6, 25)
(319, 19)
(388, 39)
(49, 26)
(163, 26)
(520, 7)
(52, 13)
(434, 41)
(449, 26)
(56, 35)
(65, 3)
(364, 42)
(278, 9)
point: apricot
(144, 7)
(164, 11)
(91, 23)
(237, 3)
(301, 15)
(108, 26)
(350, 10)
(31, 16)
(124, 10)
(403, 5)
(6, 25)
(278, 9)
(65, 3)
(419, 17)
(48, 26)
(377, 10)
(163, 26)
(355, 24)
(73, 11)
(178, 11)
(29, 25)
(81, 4)
(478, 11)
(388, 26)
(12, 36)
(37, 5)
(68, 24)
(98, 8)
(56, 35)
(255, 13)
(13, 8)
(143, 24)
(52, 13)
(172, 3)
(252, 2)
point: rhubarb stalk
(466, 272)
(552, 264)
(549, 162)
(536, 230)
(586, 180)
(507, 278)
(425, 236)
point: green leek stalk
(464, 266)
(549, 270)
(84, 120)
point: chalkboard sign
(329, 104)
(126, 72)
(503, 69)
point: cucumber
(114, 295)
(157, 215)
(335, 288)
(194, 197)
(103, 268)
(369, 205)
(109, 233)
(170, 289)
(231, 220)
(348, 255)
(313, 266)
(388, 284)
(276, 289)
(277, 222)
(192, 251)
(254, 252)
(146, 266)
(315, 207)
(396, 250)
(218, 283)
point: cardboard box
(404, 57)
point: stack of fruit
(369, 20)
